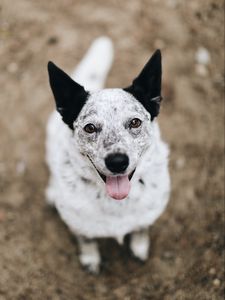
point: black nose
(117, 162)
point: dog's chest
(87, 209)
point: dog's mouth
(104, 177)
(117, 186)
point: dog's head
(112, 127)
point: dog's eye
(135, 123)
(90, 128)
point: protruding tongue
(118, 187)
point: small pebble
(201, 70)
(202, 56)
(20, 167)
(2, 167)
(212, 271)
(180, 162)
(172, 3)
(52, 40)
(168, 255)
(216, 282)
(12, 67)
(2, 215)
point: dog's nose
(117, 162)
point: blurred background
(37, 253)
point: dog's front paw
(139, 245)
(91, 263)
(89, 255)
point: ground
(38, 255)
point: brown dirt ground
(37, 253)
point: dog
(108, 165)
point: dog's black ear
(69, 95)
(146, 88)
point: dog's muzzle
(118, 185)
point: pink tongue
(118, 187)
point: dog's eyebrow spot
(111, 139)
(141, 181)
(89, 113)
(67, 161)
(85, 180)
(107, 143)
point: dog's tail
(93, 68)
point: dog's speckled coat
(75, 187)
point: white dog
(108, 164)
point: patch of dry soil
(37, 253)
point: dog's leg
(140, 243)
(89, 254)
